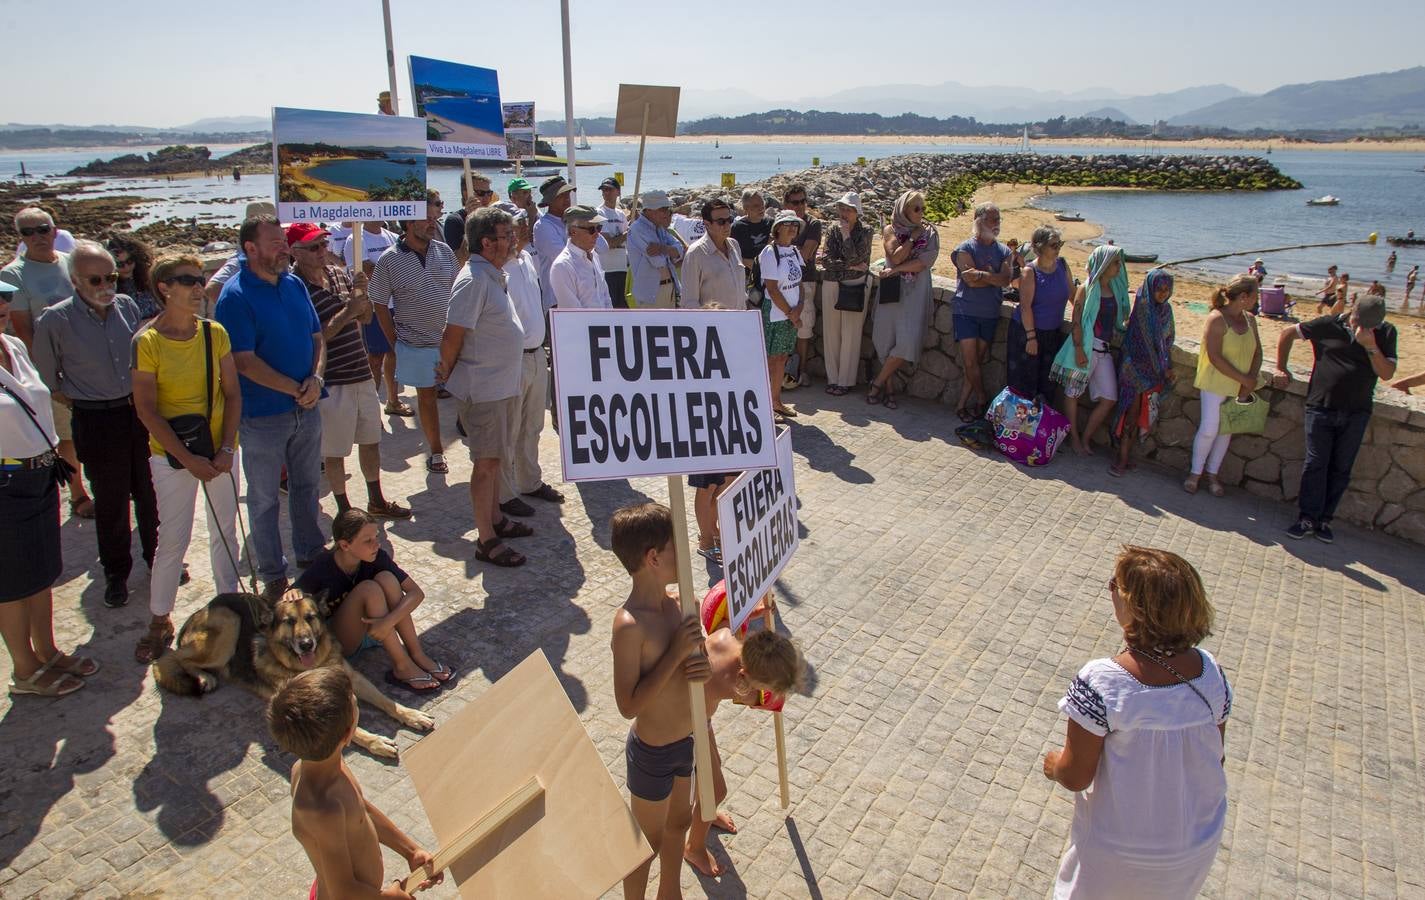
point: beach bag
(1244, 416)
(977, 435)
(1026, 431)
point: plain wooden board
(579, 841)
(662, 110)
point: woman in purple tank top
(1035, 334)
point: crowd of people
(258, 382)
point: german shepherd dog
(238, 637)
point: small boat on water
(726, 156)
(1141, 257)
(1069, 217)
(1327, 200)
(1407, 241)
(533, 171)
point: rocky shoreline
(178, 160)
(880, 181)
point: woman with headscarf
(1147, 367)
(898, 330)
(1085, 362)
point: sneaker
(1301, 529)
(1323, 533)
(116, 593)
(790, 382)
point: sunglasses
(185, 280)
(484, 193)
(1055, 244)
(123, 262)
(33, 230)
(590, 229)
(319, 245)
(721, 221)
(98, 280)
(799, 202)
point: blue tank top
(1107, 321)
(1051, 297)
(981, 302)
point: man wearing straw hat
(654, 253)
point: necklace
(1174, 672)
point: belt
(665, 281)
(43, 461)
(120, 403)
(533, 349)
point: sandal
(1190, 483)
(712, 554)
(389, 509)
(506, 558)
(873, 396)
(84, 508)
(965, 415)
(441, 673)
(399, 408)
(1116, 470)
(63, 683)
(151, 645)
(546, 493)
(509, 528)
(785, 411)
(889, 401)
(436, 463)
(82, 666)
(1214, 487)
(423, 683)
(840, 390)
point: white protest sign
(461, 106)
(661, 392)
(344, 167)
(757, 518)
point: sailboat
(1024, 141)
(583, 143)
(716, 144)
(22, 175)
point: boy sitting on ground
(314, 716)
(656, 651)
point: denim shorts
(415, 366)
(967, 327)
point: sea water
(364, 173)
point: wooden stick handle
(770, 619)
(480, 829)
(697, 700)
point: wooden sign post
(652, 413)
(645, 109)
(769, 618)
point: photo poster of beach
(519, 130)
(461, 106)
(342, 167)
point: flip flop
(423, 683)
(402, 409)
(441, 672)
(965, 415)
(889, 402)
(873, 396)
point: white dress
(1150, 824)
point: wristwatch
(228, 450)
(1372, 351)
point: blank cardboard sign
(579, 840)
(662, 110)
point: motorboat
(1409, 240)
(1069, 217)
(1140, 257)
(1327, 200)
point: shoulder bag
(193, 430)
(61, 471)
(1243, 416)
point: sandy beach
(1019, 219)
(1128, 146)
(297, 175)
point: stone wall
(1387, 489)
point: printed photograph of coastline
(519, 146)
(333, 157)
(461, 106)
(519, 116)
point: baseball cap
(302, 232)
(656, 200)
(610, 183)
(518, 184)
(1370, 311)
(552, 187)
(259, 208)
(584, 214)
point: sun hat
(302, 232)
(259, 208)
(586, 215)
(552, 187)
(787, 217)
(656, 200)
(851, 199)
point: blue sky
(166, 62)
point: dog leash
(242, 530)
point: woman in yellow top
(170, 377)
(1227, 366)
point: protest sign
(543, 818)
(461, 106)
(757, 518)
(645, 109)
(661, 392)
(343, 167)
(519, 131)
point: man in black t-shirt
(752, 230)
(1352, 352)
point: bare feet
(724, 821)
(1079, 448)
(701, 858)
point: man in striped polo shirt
(410, 286)
(351, 411)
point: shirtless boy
(656, 653)
(314, 717)
(752, 671)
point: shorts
(967, 327)
(808, 307)
(376, 343)
(415, 366)
(351, 414)
(490, 427)
(781, 336)
(1101, 381)
(63, 420)
(651, 770)
(710, 480)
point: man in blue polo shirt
(278, 348)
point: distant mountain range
(1386, 100)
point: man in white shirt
(615, 234)
(576, 277)
(550, 235)
(713, 271)
(522, 474)
(654, 253)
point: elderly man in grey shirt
(82, 350)
(481, 363)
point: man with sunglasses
(41, 278)
(654, 253)
(577, 277)
(81, 349)
(351, 411)
(713, 271)
(452, 224)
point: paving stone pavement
(943, 599)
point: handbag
(851, 297)
(1243, 416)
(890, 290)
(192, 429)
(61, 471)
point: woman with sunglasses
(172, 357)
(898, 331)
(133, 258)
(1035, 334)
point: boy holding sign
(656, 650)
